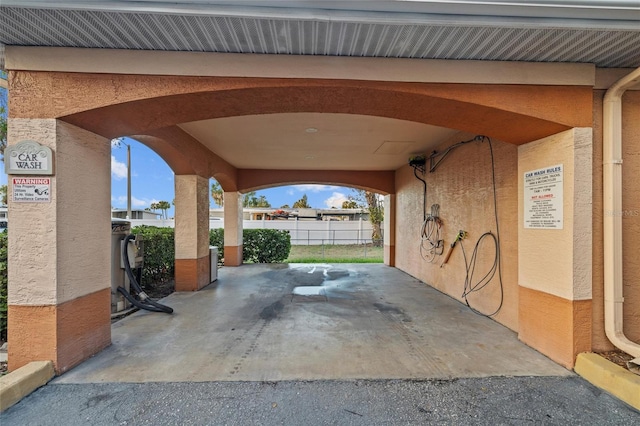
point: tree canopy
(217, 194)
(161, 205)
(251, 200)
(351, 203)
(376, 211)
(302, 203)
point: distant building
(3, 217)
(135, 214)
(260, 213)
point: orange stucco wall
(142, 103)
(557, 327)
(462, 186)
(630, 220)
(66, 334)
(152, 106)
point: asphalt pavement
(478, 401)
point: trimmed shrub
(159, 253)
(265, 245)
(258, 245)
(216, 238)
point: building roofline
(562, 13)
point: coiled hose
(145, 301)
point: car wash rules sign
(543, 198)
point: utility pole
(129, 182)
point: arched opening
(166, 114)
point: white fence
(303, 232)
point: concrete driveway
(310, 322)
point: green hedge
(216, 238)
(159, 253)
(258, 245)
(265, 245)
(3, 286)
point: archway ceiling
(316, 141)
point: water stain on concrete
(272, 311)
(393, 311)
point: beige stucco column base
(59, 275)
(232, 229)
(555, 263)
(192, 233)
(390, 230)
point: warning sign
(543, 198)
(31, 190)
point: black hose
(146, 302)
(135, 302)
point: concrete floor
(310, 322)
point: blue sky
(152, 181)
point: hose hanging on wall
(470, 266)
(144, 302)
(435, 159)
(431, 245)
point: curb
(610, 377)
(21, 382)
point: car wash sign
(28, 158)
(543, 198)
(31, 190)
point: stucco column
(390, 230)
(232, 229)
(192, 232)
(59, 251)
(555, 264)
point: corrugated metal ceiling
(535, 41)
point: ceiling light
(311, 130)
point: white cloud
(135, 202)
(336, 200)
(118, 169)
(315, 188)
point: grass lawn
(335, 254)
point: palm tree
(3, 195)
(250, 200)
(164, 206)
(217, 194)
(302, 203)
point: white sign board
(28, 158)
(31, 190)
(543, 198)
